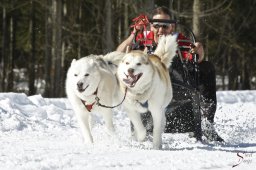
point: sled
(183, 114)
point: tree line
(39, 38)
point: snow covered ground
(39, 133)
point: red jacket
(147, 39)
(184, 44)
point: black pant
(179, 113)
(207, 88)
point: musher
(180, 111)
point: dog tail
(166, 49)
(113, 59)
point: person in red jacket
(157, 29)
(179, 113)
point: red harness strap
(143, 21)
(89, 106)
(185, 44)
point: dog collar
(89, 106)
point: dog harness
(89, 106)
(97, 102)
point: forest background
(39, 38)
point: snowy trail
(39, 133)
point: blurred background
(39, 38)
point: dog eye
(75, 75)
(127, 63)
(138, 64)
(86, 75)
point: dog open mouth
(81, 89)
(132, 79)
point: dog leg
(83, 118)
(139, 128)
(108, 119)
(159, 124)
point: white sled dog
(145, 78)
(90, 77)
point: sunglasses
(163, 25)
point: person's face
(160, 29)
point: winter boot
(209, 131)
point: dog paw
(140, 108)
(88, 141)
(157, 147)
(157, 143)
(141, 135)
(110, 131)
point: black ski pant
(179, 113)
(207, 88)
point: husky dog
(90, 77)
(145, 79)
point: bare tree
(48, 48)
(80, 11)
(57, 83)
(10, 60)
(4, 47)
(32, 58)
(107, 41)
(196, 18)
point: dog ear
(91, 61)
(145, 51)
(128, 49)
(73, 61)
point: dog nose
(80, 84)
(130, 70)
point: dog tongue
(128, 80)
(132, 76)
(132, 79)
